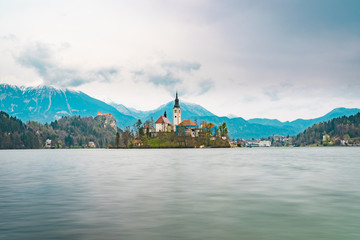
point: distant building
(264, 143)
(91, 144)
(137, 143)
(48, 143)
(103, 114)
(344, 142)
(326, 138)
(252, 144)
(163, 124)
(108, 120)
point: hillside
(338, 131)
(14, 134)
(67, 132)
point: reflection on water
(272, 193)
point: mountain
(266, 121)
(138, 114)
(300, 125)
(188, 111)
(46, 104)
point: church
(163, 124)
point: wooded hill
(338, 131)
(67, 132)
(14, 134)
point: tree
(69, 141)
(138, 128)
(223, 129)
(117, 139)
(126, 136)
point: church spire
(177, 105)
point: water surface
(262, 193)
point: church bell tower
(176, 113)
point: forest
(338, 131)
(67, 132)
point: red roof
(163, 119)
(187, 123)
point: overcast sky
(281, 59)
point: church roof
(163, 119)
(187, 123)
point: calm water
(263, 193)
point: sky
(283, 59)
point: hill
(14, 134)
(67, 132)
(338, 131)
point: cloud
(9, 37)
(168, 80)
(182, 66)
(174, 75)
(272, 94)
(205, 86)
(41, 58)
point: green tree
(138, 127)
(117, 139)
(223, 129)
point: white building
(163, 124)
(264, 144)
(48, 143)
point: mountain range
(46, 104)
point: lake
(257, 193)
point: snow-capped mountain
(46, 104)
(188, 110)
